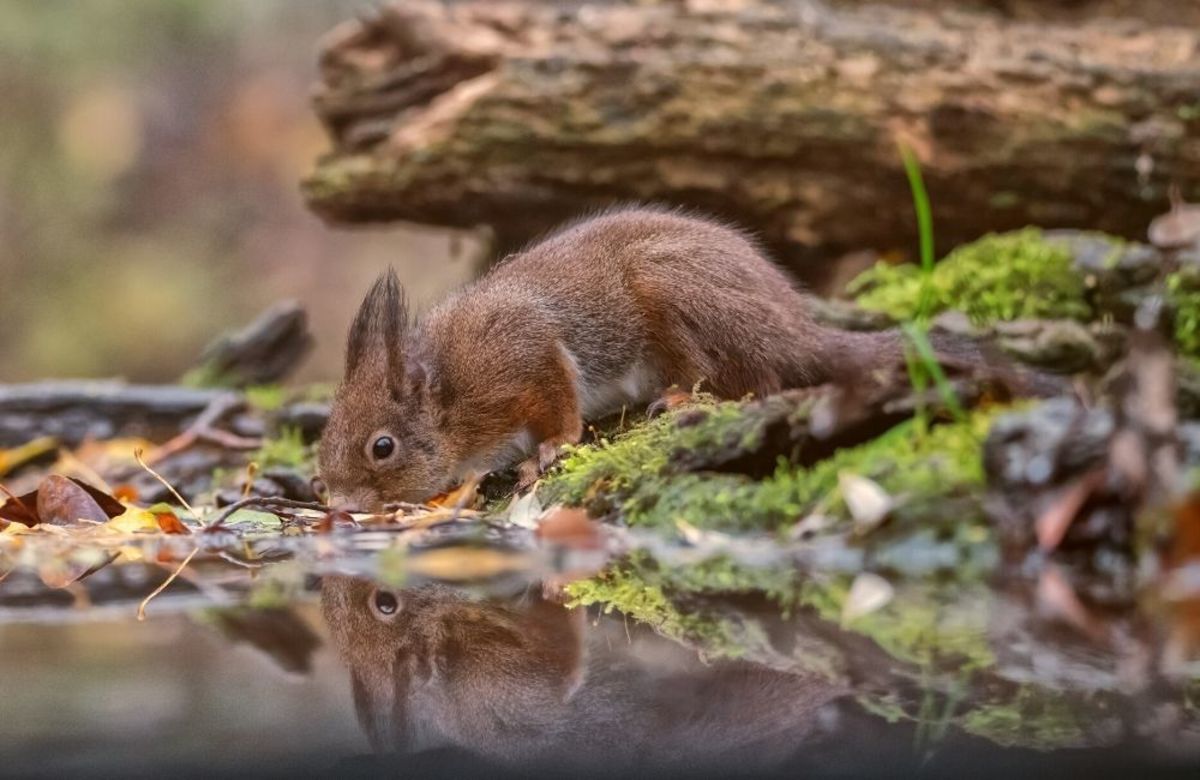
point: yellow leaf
(10, 459)
(133, 520)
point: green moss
(285, 450)
(1003, 276)
(1033, 718)
(930, 625)
(624, 588)
(266, 398)
(1183, 290)
(921, 468)
(617, 464)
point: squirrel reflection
(526, 682)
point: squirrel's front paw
(530, 469)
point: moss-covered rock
(634, 473)
(1006, 276)
(1032, 274)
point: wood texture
(783, 116)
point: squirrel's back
(645, 298)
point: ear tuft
(379, 326)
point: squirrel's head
(383, 442)
(432, 657)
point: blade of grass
(920, 196)
(919, 338)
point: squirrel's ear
(379, 326)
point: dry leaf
(20, 510)
(60, 501)
(868, 593)
(868, 503)
(337, 519)
(1052, 525)
(570, 527)
(465, 496)
(59, 571)
(17, 456)
(133, 520)
(466, 563)
(525, 511)
(169, 523)
(810, 526)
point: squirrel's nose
(343, 503)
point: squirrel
(525, 682)
(608, 311)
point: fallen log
(72, 410)
(783, 116)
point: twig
(268, 502)
(141, 612)
(17, 499)
(405, 506)
(203, 428)
(137, 455)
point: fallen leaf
(20, 510)
(810, 526)
(135, 520)
(335, 520)
(465, 496)
(868, 503)
(525, 511)
(169, 523)
(1052, 525)
(61, 501)
(104, 455)
(868, 593)
(126, 494)
(570, 527)
(462, 564)
(1057, 598)
(60, 571)
(30, 450)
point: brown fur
(652, 297)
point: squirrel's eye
(385, 603)
(383, 447)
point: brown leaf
(1052, 525)
(169, 523)
(20, 509)
(570, 527)
(126, 493)
(335, 520)
(63, 570)
(61, 501)
(465, 496)
(26, 509)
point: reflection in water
(528, 682)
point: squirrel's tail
(850, 356)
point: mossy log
(782, 116)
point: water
(341, 655)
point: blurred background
(149, 166)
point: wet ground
(364, 653)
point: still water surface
(323, 671)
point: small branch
(137, 455)
(265, 502)
(204, 429)
(141, 612)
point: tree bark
(783, 116)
